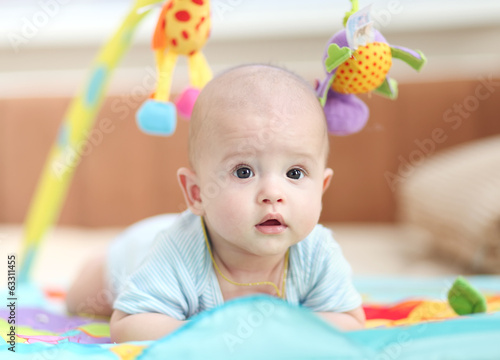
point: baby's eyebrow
(233, 155)
(305, 156)
(300, 156)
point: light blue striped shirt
(177, 277)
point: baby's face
(262, 176)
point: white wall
(460, 39)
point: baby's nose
(272, 200)
(271, 195)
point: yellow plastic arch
(78, 121)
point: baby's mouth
(272, 222)
(271, 225)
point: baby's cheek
(234, 205)
(229, 218)
(228, 206)
(215, 192)
(309, 208)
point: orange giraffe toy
(182, 29)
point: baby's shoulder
(181, 246)
(184, 232)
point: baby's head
(258, 146)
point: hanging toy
(182, 29)
(357, 60)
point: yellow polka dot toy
(356, 61)
(183, 28)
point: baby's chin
(271, 245)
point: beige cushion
(455, 196)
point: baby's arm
(349, 320)
(143, 326)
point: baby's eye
(295, 174)
(243, 173)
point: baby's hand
(346, 321)
(138, 327)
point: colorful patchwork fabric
(398, 320)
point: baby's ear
(191, 190)
(327, 177)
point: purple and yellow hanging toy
(356, 61)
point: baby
(258, 147)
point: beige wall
(127, 175)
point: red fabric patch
(394, 312)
